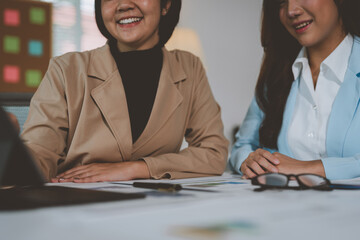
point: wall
(229, 31)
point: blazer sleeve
(207, 149)
(342, 168)
(46, 129)
(247, 138)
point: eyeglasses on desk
(281, 181)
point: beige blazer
(79, 116)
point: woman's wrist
(315, 167)
(140, 169)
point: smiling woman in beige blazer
(80, 126)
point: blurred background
(225, 34)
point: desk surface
(234, 212)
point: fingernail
(61, 179)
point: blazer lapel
(167, 99)
(110, 98)
(345, 104)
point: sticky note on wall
(35, 48)
(33, 78)
(11, 17)
(11, 44)
(11, 74)
(37, 16)
(25, 44)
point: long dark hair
(280, 51)
(166, 26)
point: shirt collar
(334, 62)
(299, 63)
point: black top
(140, 73)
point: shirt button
(315, 107)
(310, 134)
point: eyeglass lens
(273, 180)
(312, 180)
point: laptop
(22, 186)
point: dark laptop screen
(16, 165)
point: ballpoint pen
(169, 187)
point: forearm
(342, 168)
(190, 162)
(247, 138)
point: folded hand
(259, 162)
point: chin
(306, 42)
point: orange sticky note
(11, 17)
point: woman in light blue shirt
(305, 117)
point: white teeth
(302, 25)
(129, 20)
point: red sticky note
(11, 74)
(11, 17)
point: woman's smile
(128, 22)
(302, 26)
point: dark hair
(166, 26)
(280, 51)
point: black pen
(169, 187)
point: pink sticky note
(11, 17)
(11, 74)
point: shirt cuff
(237, 157)
(341, 168)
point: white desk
(266, 215)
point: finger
(270, 157)
(70, 171)
(77, 173)
(86, 174)
(265, 164)
(94, 178)
(256, 168)
(63, 180)
(248, 172)
(54, 180)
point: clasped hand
(262, 161)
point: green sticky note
(11, 44)
(37, 16)
(33, 78)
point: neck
(124, 47)
(318, 53)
